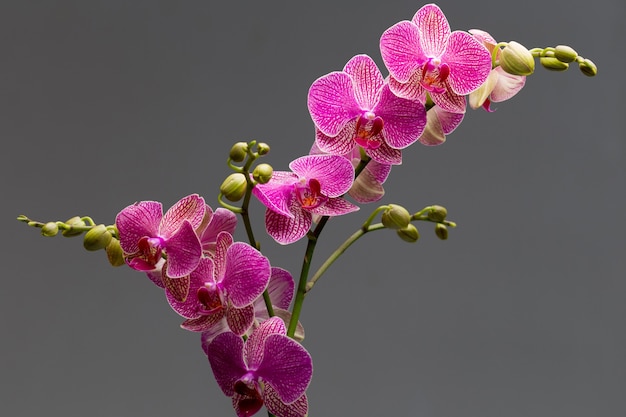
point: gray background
(520, 313)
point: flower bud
(50, 229)
(263, 173)
(74, 222)
(553, 64)
(516, 59)
(441, 231)
(239, 151)
(396, 217)
(98, 237)
(588, 68)
(234, 186)
(115, 253)
(263, 148)
(565, 54)
(409, 233)
(437, 213)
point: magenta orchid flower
(440, 124)
(267, 369)
(224, 286)
(500, 85)
(355, 107)
(214, 222)
(146, 234)
(424, 57)
(314, 187)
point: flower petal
(449, 101)
(298, 408)
(506, 86)
(366, 188)
(385, 154)
(254, 347)
(404, 120)
(340, 144)
(434, 29)
(223, 242)
(190, 208)
(410, 90)
(203, 323)
(277, 194)
(331, 102)
(183, 251)
(469, 61)
(226, 359)
(240, 319)
(367, 81)
(190, 307)
(222, 220)
(284, 229)
(334, 173)
(334, 207)
(401, 50)
(246, 275)
(136, 221)
(211, 333)
(178, 287)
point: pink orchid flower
(146, 234)
(314, 187)
(355, 107)
(424, 57)
(267, 369)
(500, 85)
(214, 222)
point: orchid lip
(309, 193)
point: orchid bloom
(355, 107)
(224, 286)
(314, 187)
(214, 222)
(268, 368)
(424, 57)
(500, 85)
(146, 234)
(440, 123)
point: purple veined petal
(334, 172)
(469, 61)
(136, 221)
(155, 274)
(449, 101)
(211, 333)
(331, 102)
(183, 251)
(507, 85)
(222, 220)
(340, 144)
(379, 171)
(449, 121)
(190, 308)
(286, 366)
(334, 207)
(280, 288)
(261, 316)
(246, 275)
(225, 354)
(276, 194)
(367, 80)
(203, 323)
(298, 408)
(434, 30)
(254, 348)
(401, 50)
(190, 208)
(404, 120)
(178, 288)
(286, 230)
(223, 242)
(385, 154)
(410, 90)
(366, 189)
(240, 319)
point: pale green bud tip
(565, 54)
(115, 253)
(98, 237)
(74, 222)
(50, 229)
(239, 151)
(516, 59)
(588, 68)
(437, 213)
(263, 173)
(409, 233)
(553, 64)
(234, 186)
(396, 217)
(263, 148)
(441, 231)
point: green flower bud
(263, 173)
(75, 222)
(98, 237)
(409, 233)
(441, 231)
(396, 217)
(516, 59)
(234, 186)
(553, 64)
(588, 68)
(239, 151)
(437, 213)
(115, 253)
(263, 148)
(50, 229)
(565, 54)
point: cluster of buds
(559, 58)
(237, 184)
(399, 219)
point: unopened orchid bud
(50, 229)
(588, 68)
(396, 217)
(263, 148)
(234, 186)
(96, 238)
(75, 222)
(239, 151)
(553, 64)
(437, 213)
(115, 253)
(565, 54)
(441, 231)
(263, 173)
(516, 59)
(409, 233)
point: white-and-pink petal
(331, 102)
